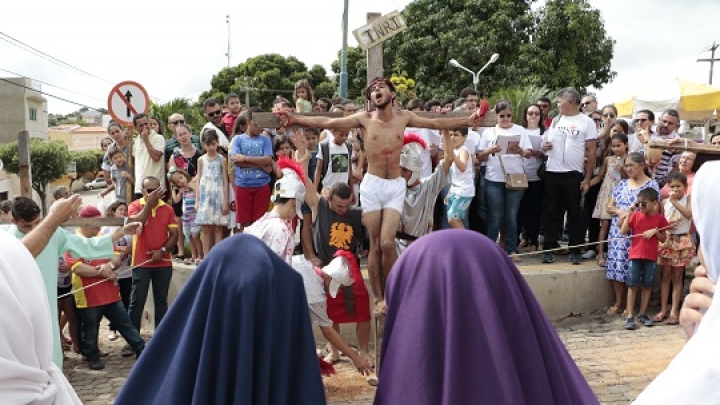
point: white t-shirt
(462, 181)
(472, 143)
(493, 171)
(532, 164)
(569, 137)
(144, 165)
(339, 161)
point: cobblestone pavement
(618, 363)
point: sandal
(188, 261)
(660, 317)
(516, 258)
(673, 320)
(180, 259)
(613, 310)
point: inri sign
(380, 30)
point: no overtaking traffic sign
(127, 99)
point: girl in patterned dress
(610, 174)
(212, 196)
(622, 199)
(678, 250)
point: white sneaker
(590, 254)
(112, 335)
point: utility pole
(712, 59)
(343, 56)
(247, 89)
(227, 21)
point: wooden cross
(269, 120)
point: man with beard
(382, 192)
(662, 161)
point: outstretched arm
(353, 121)
(449, 151)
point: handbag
(514, 181)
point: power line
(52, 85)
(46, 94)
(19, 44)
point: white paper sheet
(506, 141)
(558, 140)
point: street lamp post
(476, 76)
(343, 56)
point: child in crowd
(678, 250)
(212, 198)
(234, 107)
(123, 247)
(121, 173)
(304, 97)
(462, 189)
(610, 174)
(283, 148)
(334, 161)
(648, 228)
(306, 240)
(184, 194)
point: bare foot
(332, 358)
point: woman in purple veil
(463, 327)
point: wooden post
(25, 169)
(374, 55)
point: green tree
(191, 112)
(519, 98)
(49, 161)
(268, 75)
(357, 71)
(570, 47)
(564, 43)
(86, 164)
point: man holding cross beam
(382, 192)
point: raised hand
(62, 210)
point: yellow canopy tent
(694, 101)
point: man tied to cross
(382, 192)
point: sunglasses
(641, 204)
(533, 113)
(640, 120)
(544, 105)
(214, 113)
(597, 120)
(150, 190)
(609, 115)
(585, 104)
(177, 122)
(505, 115)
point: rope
(537, 252)
(106, 279)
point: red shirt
(154, 234)
(228, 121)
(97, 295)
(641, 248)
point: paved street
(617, 363)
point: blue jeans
(116, 313)
(503, 205)
(160, 277)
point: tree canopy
(563, 43)
(268, 75)
(49, 161)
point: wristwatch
(162, 249)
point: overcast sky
(174, 48)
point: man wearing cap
(97, 295)
(383, 188)
(420, 196)
(274, 230)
